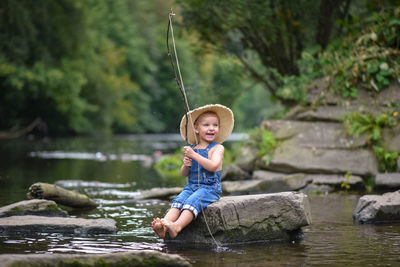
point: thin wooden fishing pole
(179, 82)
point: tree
(273, 33)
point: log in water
(60, 195)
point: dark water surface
(116, 168)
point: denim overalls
(201, 190)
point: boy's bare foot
(159, 228)
(172, 228)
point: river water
(116, 168)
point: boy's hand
(189, 152)
(187, 161)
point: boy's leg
(175, 227)
(194, 204)
(158, 226)
(172, 214)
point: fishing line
(186, 104)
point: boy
(202, 163)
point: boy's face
(207, 127)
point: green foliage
(253, 106)
(265, 141)
(358, 124)
(169, 167)
(387, 160)
(366, 123)
(369, 184)
(345, 185)
(89, 66)
(369, 59)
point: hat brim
(226, 122)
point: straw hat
(224, 114)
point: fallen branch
(14, 133)
(60, 195)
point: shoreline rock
(250, 218)
(378, 209)
(40, 207)
(387, 180)
(31, 224)
(134, 258)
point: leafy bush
(358, 123)
(369, 59)
(366, 123)
(387, 160)
(169, 168)
(265, 141)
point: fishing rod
(179, 81)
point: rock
(243, 187)
(314, 134)
(248, 156)
(336, 113)
(319, 92)
(335, 179)
(317, 189)
(250, 218)
(325, 183)
(279, 182)
(159, 192)
(398, 162)
(31, 224)
(266, 182)
(233, 172)
(387, 180)
(291, 158)
(378, 209)
(33, 207)
(390, 95)
(133, 258)
(391, 138)
(323, 113)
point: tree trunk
(326, 22)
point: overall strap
(213, 143)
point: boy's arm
(212, 164)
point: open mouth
(210, 135)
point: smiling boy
(202, 164)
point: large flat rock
(250, 218)
(134, 258)
(31, 224)
(387, 180)
(327, 135)
(266, 182)
(39, 207)
(273, 182)
(336, 113)
(288, 157)
(378, 209)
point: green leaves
(387, 160)
(366, 123)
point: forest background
(101, 66)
